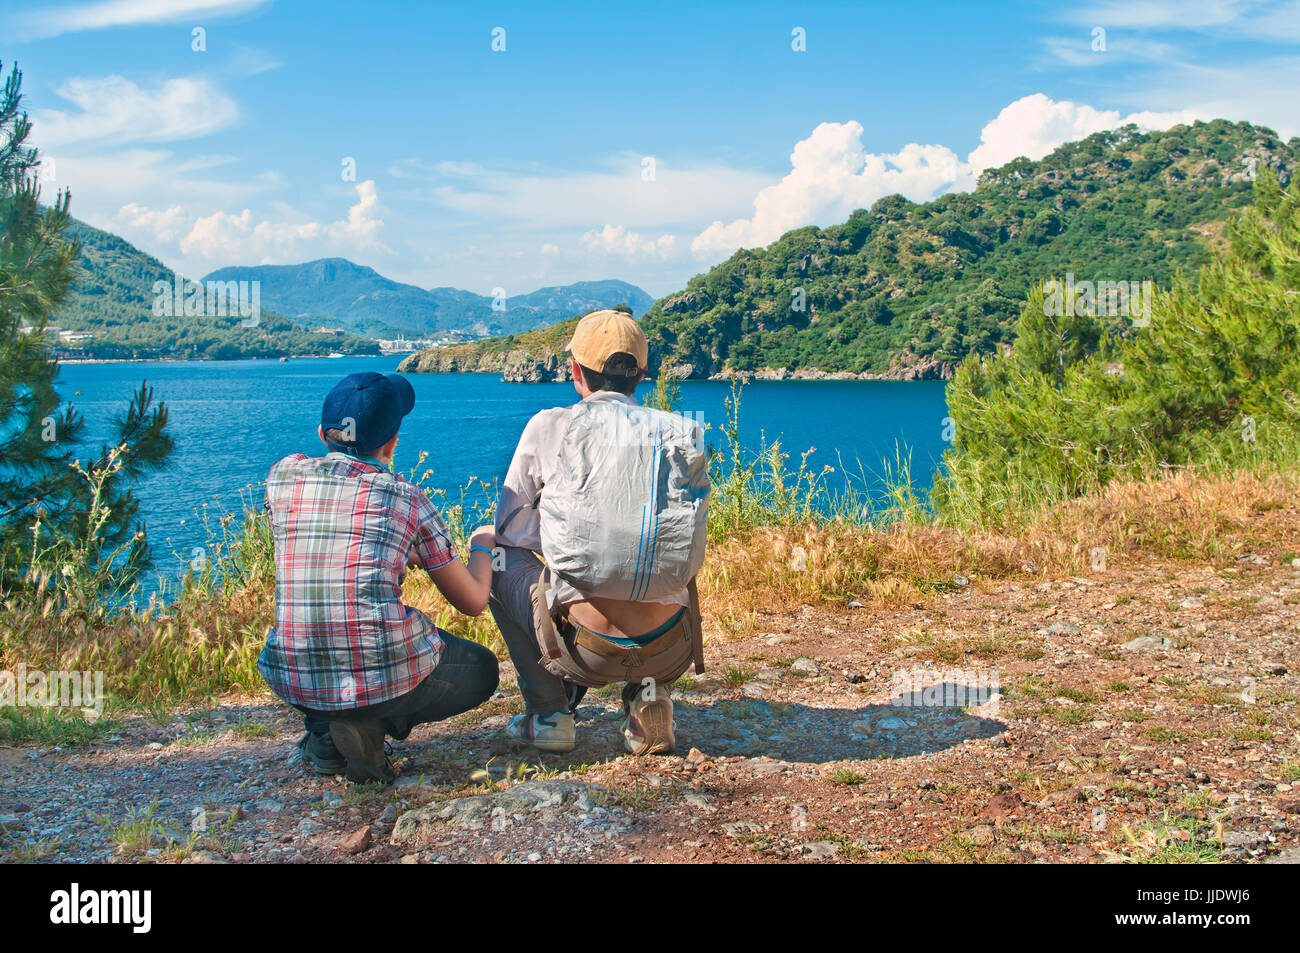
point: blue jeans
(465, 677)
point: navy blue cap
(369, 407)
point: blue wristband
(481, 549)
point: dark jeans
(466, 677)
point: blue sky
(638, 141)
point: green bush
(1079, 401)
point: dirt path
(1145, 715)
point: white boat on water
(334, 354)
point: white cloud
(1163, 14)
(1035, 125)
(1121, 49)
(831, 173)
(75, 18)
(1262, 91)
(550, 248)
(229, 239)
(617, 240)
(166, 225)
(112, 109)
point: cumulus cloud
(617, 240)
(166, 225)
(226, 238)
(832, 173)
(550, 248)
(1035, 125)
(112, 109)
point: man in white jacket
(585, 640)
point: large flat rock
(533, 800)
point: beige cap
(601, 334)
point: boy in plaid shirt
(344, 650)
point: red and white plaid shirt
(345, 530)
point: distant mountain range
(362, 300)
(113, 298)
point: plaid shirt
(345, 531)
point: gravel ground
(1144, 715)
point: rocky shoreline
(526, 366)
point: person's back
(343, 530)
(344, 650)
(563, 639)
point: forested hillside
(907, 290)
(113, 298)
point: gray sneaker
(554, 732)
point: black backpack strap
(697, 626)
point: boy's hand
(467, 585)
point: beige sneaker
(647, 725)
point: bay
(232, 419)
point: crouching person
(344, 650)
(614, 498)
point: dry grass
(1183, 517)
(206, 643)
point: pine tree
(54, 502)
(1211, 383)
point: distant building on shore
(402, 345)
(64, 336)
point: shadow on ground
(755, 727)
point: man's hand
(484, 536)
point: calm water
(232, 419)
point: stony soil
(1144, 715)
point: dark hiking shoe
(362, 744)
(319, 754)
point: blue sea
(232, 419)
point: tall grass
(781, 535)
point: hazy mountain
(113, 297)
(338, 291)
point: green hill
(113, 298)
(906, 290)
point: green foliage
(945, 279)
(52, 727)
(666, 394)
(60, 518)
(113, 296)
(1211, 383)
(907, 289)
